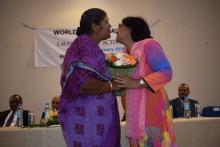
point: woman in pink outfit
(148, 119)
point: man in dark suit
(8, 118)
(177, 103)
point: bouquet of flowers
(121, 63)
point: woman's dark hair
(90, 16)
(139, 28)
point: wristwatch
(142, 82)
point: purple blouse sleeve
(75, 81)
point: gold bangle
(110, 85)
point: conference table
(193, 132)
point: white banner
(51, 44)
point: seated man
(51, 112)
(8, 118)
(177, 103)
(55, 104)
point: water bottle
(19, 114)
(46, 112)
(186, 108)
(197, 109)
(31, 119)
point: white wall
(188, 30)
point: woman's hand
(126, 82)
(117, 86)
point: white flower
(118, 63)
(119, 55)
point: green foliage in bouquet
(125, 71)
(112, 65)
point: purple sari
(87, 120)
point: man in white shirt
(8, 118)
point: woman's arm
(129, 82)
(95, 86)
(84, 81)
(162, 71)
(157, 60)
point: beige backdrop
(188, 30)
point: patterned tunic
(87, 120)
(147, 111)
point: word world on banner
(50, 45)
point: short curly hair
(139, 28)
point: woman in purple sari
(88, 110)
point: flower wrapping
(125, 72)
